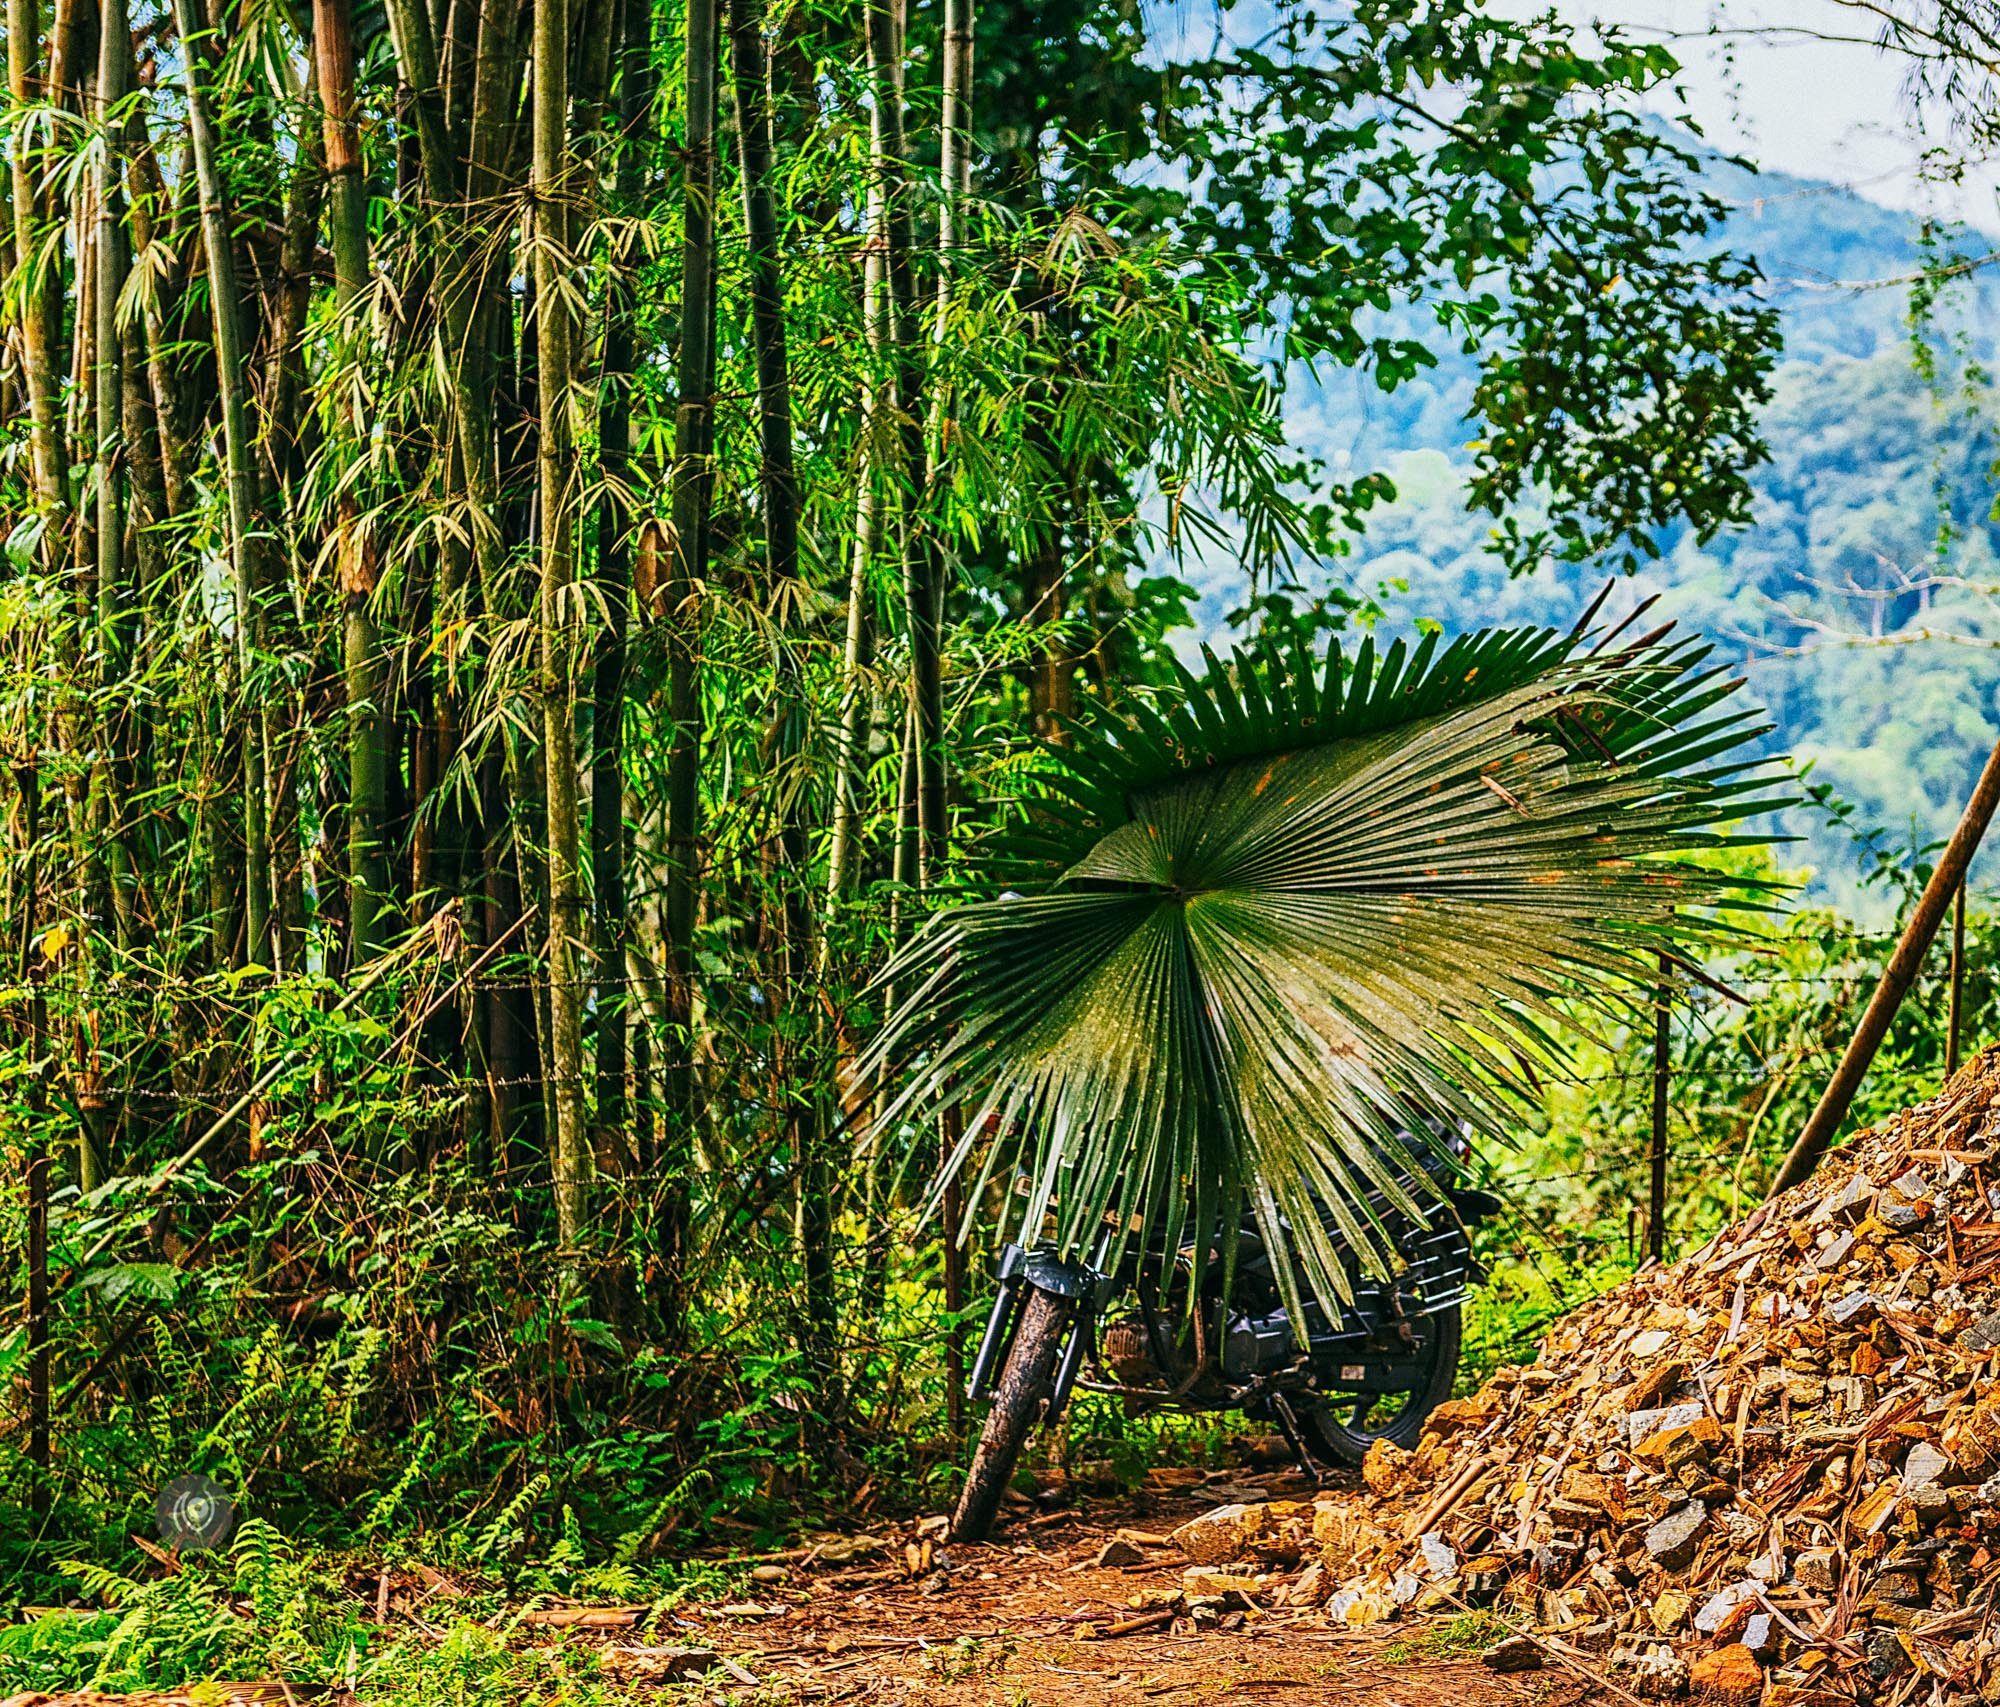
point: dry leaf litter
(1769, 1473)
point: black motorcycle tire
(1338, 1443)
(1024, 1388)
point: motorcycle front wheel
(1024, 1388)
(1341, 1428)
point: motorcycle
(1332, 1386)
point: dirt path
(1029, 1620)
(1038, 1617)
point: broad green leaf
(1293, 911)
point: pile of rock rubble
(1769, 1473)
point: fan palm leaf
(1292, 910)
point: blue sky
(1763, 79)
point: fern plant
(506, 1528)
(161, 1633)
(302, 1623)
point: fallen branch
(1454, 1491)
(585, 1617)
(1138, 1622)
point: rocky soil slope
(1769, 1473)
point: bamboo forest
(958, 851)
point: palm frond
(1296, 908)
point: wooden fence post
(1897, 977)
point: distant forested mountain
(1861, 601)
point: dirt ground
(1031, 1620)
(893, 1614)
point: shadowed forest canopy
(533, 533)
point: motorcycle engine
(1124, 1349)
(1252, 1345)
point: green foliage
(1859, 598)
(1745, 1076)
(1385, 182)
(264, 1609)
(1453, 1638)
(352, 1306)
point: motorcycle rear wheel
(1025, 1387)
(1341, 1431)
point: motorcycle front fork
(1084, 1287)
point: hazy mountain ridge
(1836, 266)
(1873, 524)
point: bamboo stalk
(41, 306)
(231, 385)
(694, 425)
(926, 596)
(28, 779)
(356, 573)
(614, 578)
(778, 481)
(877, 315)
(114, 57)
(554, 335)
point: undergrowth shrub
(263, 1608)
